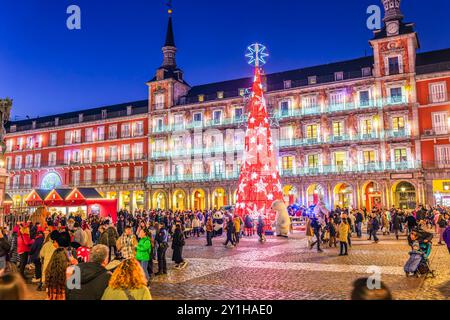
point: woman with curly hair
(128, 282)
(56, 275)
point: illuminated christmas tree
(259, 181)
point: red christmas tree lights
(259, 181)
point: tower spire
(169, 49)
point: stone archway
(314, 193)
(404, 195)
(371, 195)
(343, 195)
(159, 200)
(219, 198)
(198, 199)
(179, 200)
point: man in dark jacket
(396, 224)
(92, 276)
(4, 249)
(34, 255)
(375, 228)
(358, 223)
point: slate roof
(90, 193)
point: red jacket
(24, 243)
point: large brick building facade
(364, 132)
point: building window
(138, 129)
(18, 163)
(87, 156)
(112, 132)
(339, 76)
(288, 164)
(201, 98)
(99, 175)
(312, 80)
(52, 159)
(88, 135)
(8, 163)
(394, 65)
(366, 128)
(87, 179)
(27, 181)
(16, 182)
(178, 121)
(77, 136)
(101, 154)
(159, 125)
(369, 157)
(340, 159)
(125, 130)
(159, 101)
(125, 154)
(396, 95)
(125, 174)
(286, 133)
(101, 133)
(104, 114)
(198, 119)
(309, 102)
(113, 155)
(443, 156)
(287, 84)
(138, 173)
(438, 92)
(398, 124)
(112, 175)
(400, 155)
(159, 170)
(312, 132)
(53, 139)
(284, 108)
(217, 117)
(238, 114)
(178, 171)
(76, 155)
(68, 137)
(366, 72)
(138, 151)
(364, 98)
(9, 145)
(29, 161)
(220, 95)
(76, 178)
(29, 143)
(337, 98)
(313, 161)
(218, 169)
(338, 129)
(440, 122)
(159, 145)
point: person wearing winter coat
(344, 230)
(375, 226)
(143, 250)
(34, 256)
(13, 255)
(230, 232)
(4, 249)
(109, 238)
(249, 225)
(178, 243)
(24, 243)
(47, 251)
(442, 225)
(331, 227)
(209, 231)
(446, 236)
(94, 277)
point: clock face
(392, 28)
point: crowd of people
(95, 258)
(341, 224)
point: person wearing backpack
(143, 250)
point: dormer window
(80, 117)
(104, 114)
(33, 124)
(201, 98)
(241, 92)
(129, 110)
(220, 95)
(56, 122)
(312, 80)
(366, 72)
(287, 84)
(339, 76)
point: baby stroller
(418, 263)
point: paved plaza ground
(286, 269)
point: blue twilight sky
(48, 69)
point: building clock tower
(393, 17)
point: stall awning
(37, 197)
(80, 196)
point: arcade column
(3, 177)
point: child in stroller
(419, 264)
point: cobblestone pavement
(286, 269)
